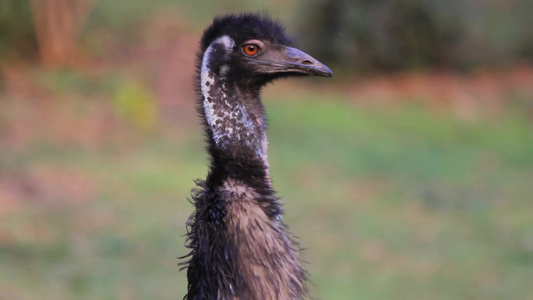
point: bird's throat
(234, 116)
(235, 119)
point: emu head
(251, 50)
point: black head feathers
(244, 27)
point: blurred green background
(409, 175)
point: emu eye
(250, 49)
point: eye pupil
(250, 50)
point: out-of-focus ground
(405, 185)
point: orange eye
(250, 49)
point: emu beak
(292, 60)
(299, 61)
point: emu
(238, 241)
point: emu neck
(235, 119)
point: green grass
(391, 203)
(407, 203)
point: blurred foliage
(137, 104)
(124, 16)
(17, 34)
(68, 81)
(352, 35)
(385, 35)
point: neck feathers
(234, 116)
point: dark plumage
(240, 248)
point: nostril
(307, 62)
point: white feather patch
(229, 109)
